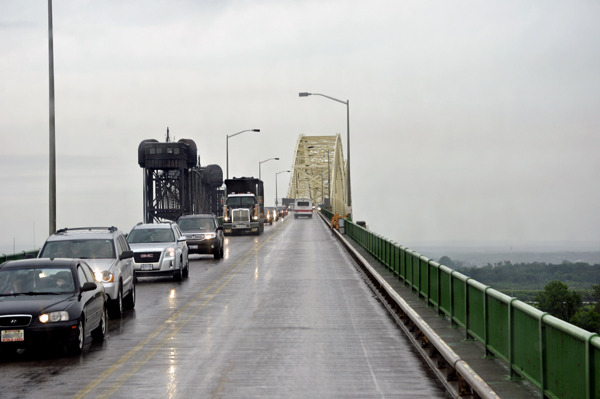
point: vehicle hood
(35, 304)
(196, 232)
(152, 247)
(99, 265)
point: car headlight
(208, 236)
(255, 217)
(54, 317)
(226, 219)
(170, 252)
(104, 276)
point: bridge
(306, 311)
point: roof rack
(62, 231)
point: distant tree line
(580, 308)
(529, 276)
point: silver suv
(159, 249)
(108, 254)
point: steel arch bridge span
(319, 171)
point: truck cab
(243, 210)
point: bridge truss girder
(319, 171)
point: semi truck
(243, 208)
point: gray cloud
(469, 122)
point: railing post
(486, 323)
(428, 282)
(452, 298)
(467, 315)
(511, 338)
(543, 356)
(439, 289)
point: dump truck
(243, 208)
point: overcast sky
(470, 121)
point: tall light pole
(227, 145)
(347, 102)
(261, 162)
(52, 155)
(283, 171)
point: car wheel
(115, 309)
(217, 253)
(221, 251)
(178, 274)
(99, 332)
(186, 269)
(76, 347)
(129, 301)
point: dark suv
(204, 234)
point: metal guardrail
(18, 255)
(562, 360)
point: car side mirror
(126, 255)
(182, 238)
(89, 287)
(220, 228)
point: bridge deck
(300, 322)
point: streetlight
(266, 160)
(52, 133)
(347, 102)
(283, 171)
(227, 146)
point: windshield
(196, 224)
(150, 236)
(241, 202)
(303, 203)
(85, 249)
(36, 281)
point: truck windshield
(241, 202)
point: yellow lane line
(245, 258)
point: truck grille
(146, 257)
(240, 215)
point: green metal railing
(18, 255)
(562, 360)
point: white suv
(159, 249)
(108, 254)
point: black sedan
(49, 302)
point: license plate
(146, 267)
(193, 247)
(13, 335)
(240, 226)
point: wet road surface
(284, 314)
